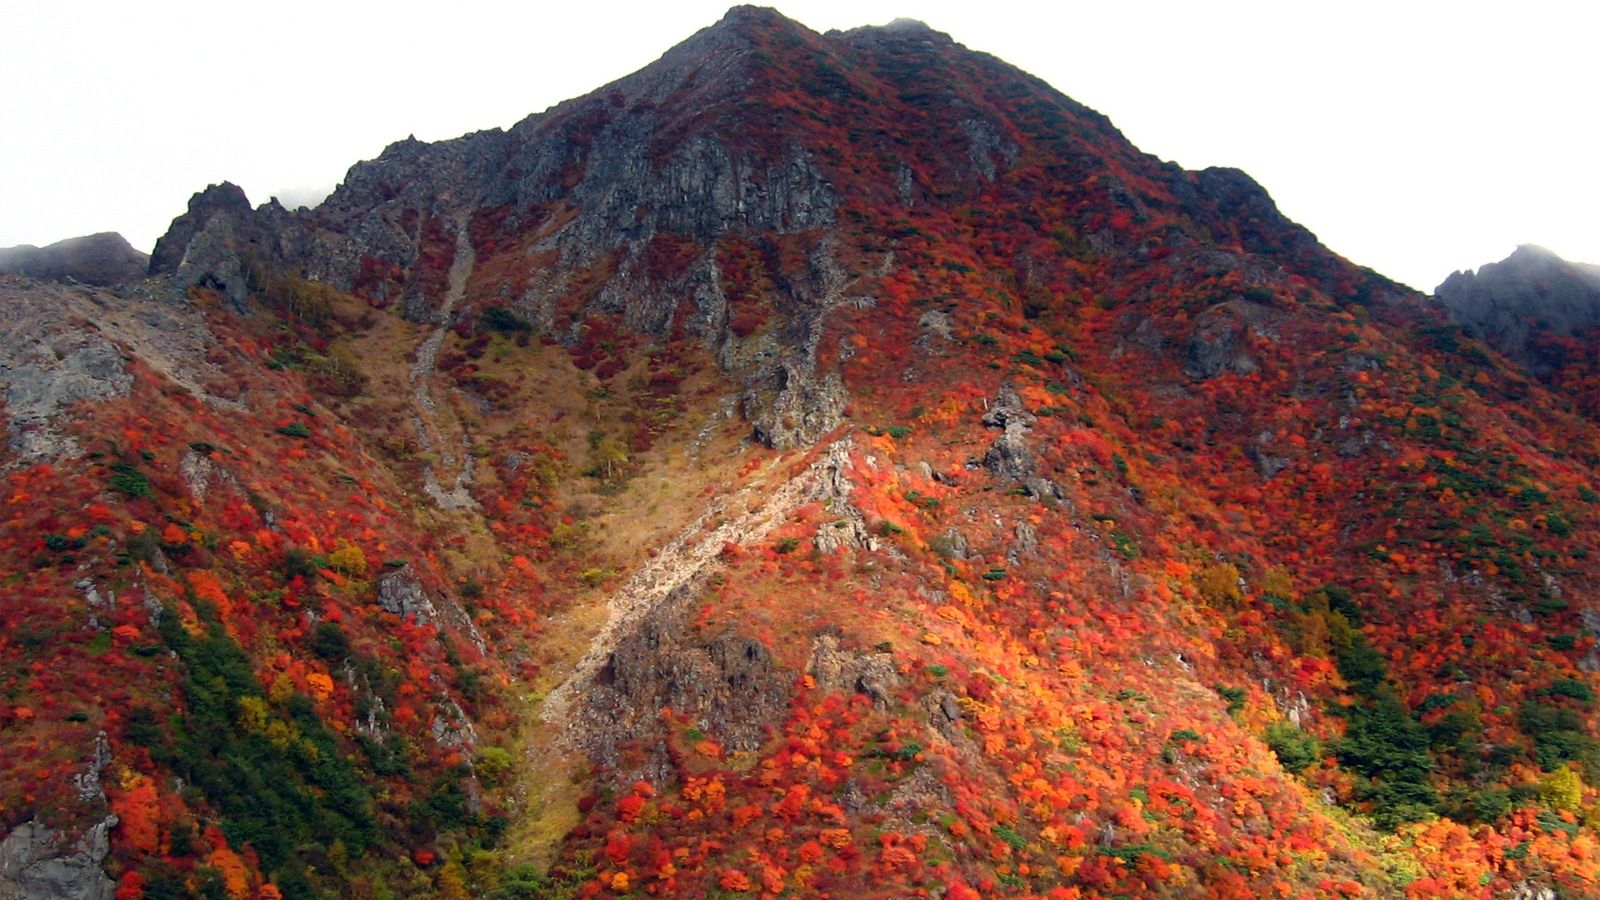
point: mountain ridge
(878, 479)
(103, 259)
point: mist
(302, 196)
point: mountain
(825, 464)
(1539, 310)
(100, 259)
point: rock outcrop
(40, 863)
(729, 685)
(221, 243)
(1010, 457)
(402, 594)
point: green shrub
(281, 788)
(493, 763)
(1489, 804)
(129, 480)
(1010, 836)
(497, 318)
(1296, 750)
(298, 561)
(329, 643)
(1569, 687)
(348, 560)
(1234, 696)
(1558, 735)
(522, 882)
(596, 575)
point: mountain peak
(225, 198)
(750, 15)
(745, 24)
(901, 29)
(1526, 305)
(1533, 251)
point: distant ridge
(103, 259)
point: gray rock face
(1528, 890)
(1007, 408)
(944, 714)
(1026, 544)
(1219, 343)
(1267, 463)
(789, 402)
(587, 187)
(794, 408)
(1009, 457)
(40, 863)
(1509, 305)
(729, 686)
(613, 169)
(48, 364)
(89, 787)
(954, 543)
(849, 531)
(221, 243)
(401, 593)
(103, 259)
(225, 199)
(985, 146)
(872, 674)
(1591, 626)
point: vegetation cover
(1144, 547)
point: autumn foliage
(1167, 553)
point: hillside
(824, 464)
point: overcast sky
(1414, 137)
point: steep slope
(101, 259)
(1539, 310)
(829, 464)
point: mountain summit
(1541, 312)
(816, 464)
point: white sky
(1413, 136)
